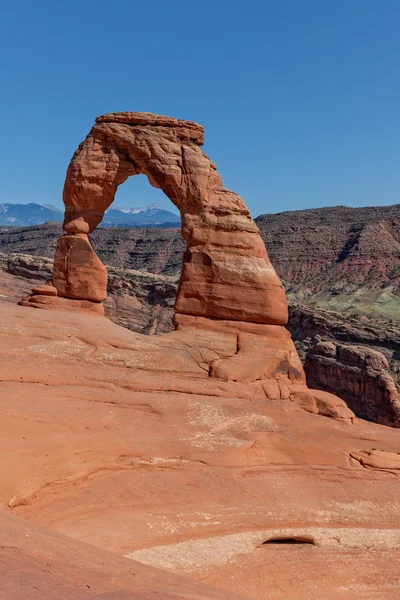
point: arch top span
(226, 273)
(185, 129)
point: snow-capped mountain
(136, 210)
(21, 215)
(24, 215)
(150, 216)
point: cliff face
(306, 322)
(357, 374)
(320, 247)
(356, 357)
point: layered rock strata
(359, 376)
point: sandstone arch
(228, 287)
(226, 272)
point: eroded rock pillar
(78, 272)
(79, 278)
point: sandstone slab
(125, 442)
(38, 564)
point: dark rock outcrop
(307, 322)
(153, 250)
(358, 375)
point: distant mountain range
(25, 215)
(21, 215)
(145, 216)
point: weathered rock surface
(36, 564)
(141, 301)
(153, 250)
(137, 300)
(357, 374)
(78, 273)
(375, 459)
(198, 449)
(159, 292)
(39, 298)
(125, 442)
(310, 321)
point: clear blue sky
(300, 98)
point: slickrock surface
(38, 565)
(155, 291)
(125, 442)
(194, 449)
(376, 459)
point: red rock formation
(377, 459)
(78, 273)
(357, 374)
(227, 284)
(125, 442)
(333, 249)
(226, 272)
